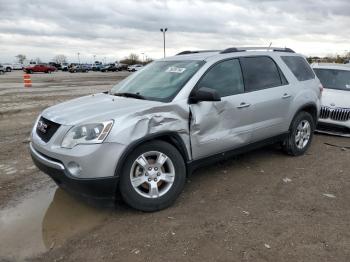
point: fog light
(74, 168)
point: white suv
(335, 111)
(134, 68)
(144, 136)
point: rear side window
(225, 77)
(260, 73)
(299, 67)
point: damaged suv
(149, 131)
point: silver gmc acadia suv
(141, 139)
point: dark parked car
(58, 66)
(109, 68)
(97, 67)
(39, 69)
(78, 69)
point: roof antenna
(269, 46)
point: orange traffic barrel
(27, 80)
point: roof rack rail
(243, 49)
(230, 50)
(187, 52)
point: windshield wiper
(132, 95)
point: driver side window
(224, 77)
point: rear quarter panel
(304, 93)
(308, 94)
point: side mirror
(204, 94)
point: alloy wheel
(152, 174)
(303, 134)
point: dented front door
(216, 127)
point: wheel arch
(172, 138)
(310, 108)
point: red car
(39, 69)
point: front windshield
(160, 80)
(334, 79)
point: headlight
(87, 134)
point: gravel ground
(260, 206)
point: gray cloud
(113, 29)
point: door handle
(285, 95)
(243, 104)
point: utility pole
(163, 31)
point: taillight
(321, 89)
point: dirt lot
(261, 206)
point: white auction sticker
(174, 69)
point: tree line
(338, 59)
(60, 59)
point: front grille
(325, 112)
(338, 114)
(46, 129)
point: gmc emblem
(42, 127)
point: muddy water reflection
(45, 220)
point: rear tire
(148, 185)
(300, 134)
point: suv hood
(95, 108)
(336, 98)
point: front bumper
(96, 188)
(332, 127)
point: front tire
(300, 135)
(153, 176)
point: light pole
(93, 62)
(143, 57)
(163, 31)
(79, 58)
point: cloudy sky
(112, 29)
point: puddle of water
(44, 220)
